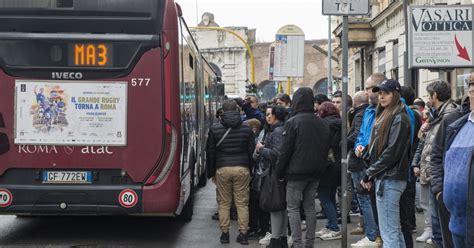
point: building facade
(229, 55)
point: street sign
(345, 7)
(289, 52)
(440, 36)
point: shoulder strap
(223, 137)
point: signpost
(288, 57)
(345, 8)
(441, 36)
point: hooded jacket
(237, 147)
(305, 145)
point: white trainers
(265, 240)
(365, 242)
(331, 235)
(290, 240)
(424, 236)
(321, 232)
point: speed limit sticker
(128, 198)
(6, 198)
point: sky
(267, 16)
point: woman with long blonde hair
(389, 154)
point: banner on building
(441, 36)
(70, 113)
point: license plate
(67, 177)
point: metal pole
(288, 86)
(329, 57)
(442, 75)
(406, 70)
(345, 58)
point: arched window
(321, 87)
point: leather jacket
(393, 161)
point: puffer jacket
(423, 153)
(305, 145)
(235, 150)
(392, 163)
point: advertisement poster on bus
(69, 113)
(441, 36)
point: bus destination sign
(90, 54)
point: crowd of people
(270, 161)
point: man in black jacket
(302, 161)
(230, 146)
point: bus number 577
(140, 82)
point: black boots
(224, 238)
(284, 242)
(274, 243)
(242, 239)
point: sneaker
(357, 231)
(429, 241)
(424, 236)
(242, 239)
(331, 235)
(290, 241)
(265, 240)
(321, 232)
(224, 238)
(365, 242)
(215, 216)
(303, 225)
(431, 245)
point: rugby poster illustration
(68, 113)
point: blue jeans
(371, 228)
(435, 223)
(388, 193)
(459, 241)
(297, 193)
(327, 196)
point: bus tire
(188, 209)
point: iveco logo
(67, 75)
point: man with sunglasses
(367, 205)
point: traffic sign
(6, 198)
(345, 7)
(128, 198)
(441, 36)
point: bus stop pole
(345, 31)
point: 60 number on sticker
(128, 198)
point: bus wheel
(187, 212)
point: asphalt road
(201, 232)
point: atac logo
(69, 150)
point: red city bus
(104, 108)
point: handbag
(273, 194)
